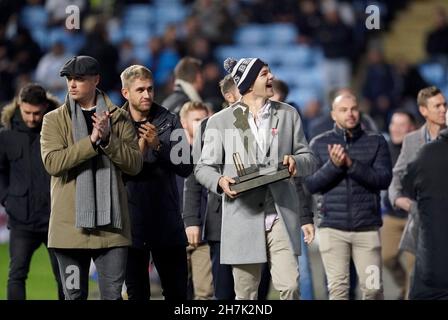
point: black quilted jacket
(351, 196)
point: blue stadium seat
(271, 34)
(251, 35)
(434, 73)
(310, 78)
(142, 53)
(266, 54)
(161, 3)
(282, 33)
(237, 52)
(289, 75)
(137, 34)
(168, 14)
(34, 16)
(40, 35)
(298, 56)
(302, 96)
(138, 14)
(115, 31)
(73, 41)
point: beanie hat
(244, 71)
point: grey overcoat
(243, 239)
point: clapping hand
(147, 134)
(101, 127)
(339, 156)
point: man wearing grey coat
(263, 224)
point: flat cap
(80, 66)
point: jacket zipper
(348, 184)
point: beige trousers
(336, 247)
(200, 271)
(391, 233)
(283, 266)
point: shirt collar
(427, 136)
(264, 111)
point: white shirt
(260, 125)
(261, 130)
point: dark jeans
(74, 266)
(22, 245)
(419, 290)
(222, 274)
(265, 282)
(171, 265)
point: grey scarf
(97, 202)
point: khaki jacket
(61, 156)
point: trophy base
(262, 177)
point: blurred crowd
(34, 43)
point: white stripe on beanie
(246, 71)
(235, 68)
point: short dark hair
(425, 94)
(33, 94)
(410, 116)
(281, 87)
(187, 69)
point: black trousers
(171, 265)
(222, 274)
(74, 265)
(22, 245)
(419, 290)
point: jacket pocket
(17, 207)
(324, 235)
(14, 152)
(18, 180)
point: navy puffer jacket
(351, 196)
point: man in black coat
(187, 84)
(156, 223)
(25, 185)
(354, 166)
(426, 181)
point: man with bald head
(354, 166)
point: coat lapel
(241, 114)
(273, 128)
(422, 135)
(241, 122)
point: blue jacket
(351, 196)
